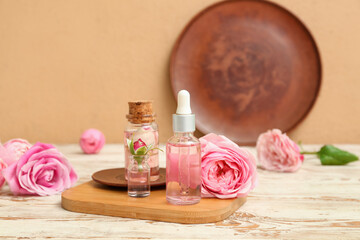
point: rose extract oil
(183, 157)
(142, 125)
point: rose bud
(92, 141)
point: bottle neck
(140, 124)
(183, 134)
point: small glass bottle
(183, 157)
(142, 125)
(138, 176)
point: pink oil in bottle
(142, 126)
(183, 173)
(183, 157)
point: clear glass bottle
(142, 125)
(183, 157)
(138, 176)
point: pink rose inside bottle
(142, 126)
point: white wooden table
(317, 202)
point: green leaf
(131, 147)
(330, 155)
(158, 149)
(128, 142)
(141, 151)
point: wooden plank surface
(318, 202)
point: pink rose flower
(277, 152)
(42, 170)
(138, 144)
(2, 167)
(227, 171)
(17, 147)
(92, 141)
(5, 156)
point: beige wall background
(69, 65)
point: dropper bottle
(183, 157)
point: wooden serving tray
(94, 198)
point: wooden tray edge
(137, 212)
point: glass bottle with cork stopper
(143, 129)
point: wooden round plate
(115, 177)
(249, 66)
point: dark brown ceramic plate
(115, 177)
(249, 66)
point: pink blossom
(277, 152)
(138, 144)
(2, 167)
(16, 147)
(228, 171)
(42, 170)
(5, 156)
(92, 141)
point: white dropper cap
(183, 120)
(183, 103)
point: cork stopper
(141, 112)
